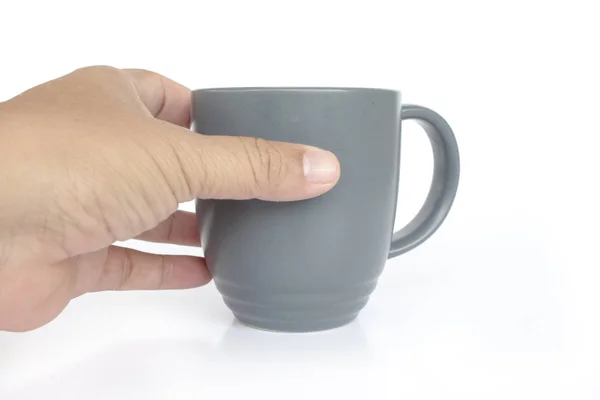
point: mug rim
(241, 89)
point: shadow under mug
(311, 265)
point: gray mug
(311, 265)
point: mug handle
(444, 185)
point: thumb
(237, 168)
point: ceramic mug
(311, 265)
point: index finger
(164, 98)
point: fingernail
(320, 167)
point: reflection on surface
(345, 344)
(233, 364)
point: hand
(104, 155)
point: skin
(103, 155)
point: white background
(503, 302)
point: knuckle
(94, 70)
(267, 163)
(166, 271)
(96, 76)
(146, 76)
(193, 175)
(126, 271)
(171, 226)
(112, 83)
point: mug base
(279, 326)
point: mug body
(306, 265)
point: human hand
(104, 155)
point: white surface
(502, 302)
